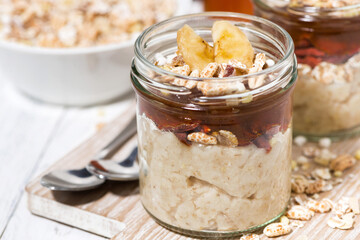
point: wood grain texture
(115, 210)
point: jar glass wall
(237, 182)
(327, 45)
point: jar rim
(314, 11)
(289, 52)
(287, 57)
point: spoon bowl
(71, 180)
(126, 170)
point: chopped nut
(354, 205)
(325, 142)
(251, 236)
(294, 165)
(300, 213)
(323, 173)
(276, 229)
(342, 162)
(228, 71)
(178, 60)
(323, 206)
(227, 138)
(299, 184)
(315, 186)
(202, 138)
(300, 141)
(225, 70)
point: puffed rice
(325, 142)
(299, 213)
(276, 229)
(202, 138)
(300, 140)
(323, 206)
(252, 236)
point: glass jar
(327, 45)
(241, 181)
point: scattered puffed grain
(302, 160)
(354, 205)
(300, 141)
(325, 142)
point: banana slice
(196, 52)
(231, 43)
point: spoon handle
(118, 141)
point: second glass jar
(327, 46)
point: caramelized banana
(196, 52)
(231, 43)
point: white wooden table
(33, 135)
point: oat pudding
(326, 34)
(214, 129)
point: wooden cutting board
(115, 211)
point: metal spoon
(126, 170)
(82, 179)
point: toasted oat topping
(206, 61)
(78, 23)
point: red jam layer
(256, 122)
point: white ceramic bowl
(74, 76)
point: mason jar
(327, 45)
(238, 178)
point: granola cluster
(78, 23)
(232, 55)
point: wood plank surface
(114, 210)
